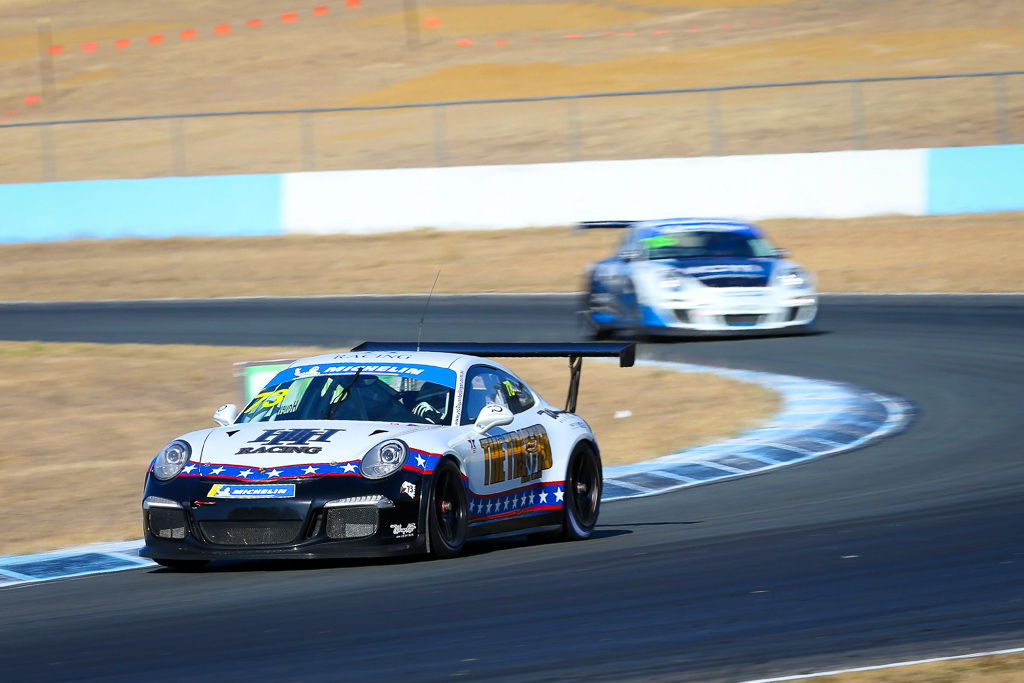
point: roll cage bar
(574, 351)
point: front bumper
(374, 518)
(733, 311)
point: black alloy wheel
(583, 481)
(447, 517)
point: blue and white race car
(696, 276)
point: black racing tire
(593, 331)
(447, 511)
(181, 565)
(582, 499)
(599, 333)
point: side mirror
(226, 414)
(781, 253)
(492, 415)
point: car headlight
(673, 279)
(171, 460)
(794, 278)
(670, 283)
(383, 459)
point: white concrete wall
(824, 185)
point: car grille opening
(740, 281)
(683, 315)
(794, 311)
(743, 319)
(351, 522)
(166, 523)
(251, 533)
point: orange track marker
(321, 10)
(155, 39)
(660, 31)
(573, 35)
(254, 23)
(90, 46)
(188, 34)
(502, 42)
(122, 43)
(431, 22)
(465, 42)
(222, 29)
(56, 49)
(289, 17)
(352, 4)
(31, 99)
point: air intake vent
(251, 533)
(351, 522)
(166, 523)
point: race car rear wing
(574, 351)
(603, 225)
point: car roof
(672, 225)
(458, 362)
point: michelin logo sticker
(248, 492)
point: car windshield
(706, 244)
(356, 395)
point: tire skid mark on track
(818, 418)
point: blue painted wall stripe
(210, 206)
(975, 179)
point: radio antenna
(419, 332)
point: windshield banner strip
(427, 373)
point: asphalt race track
(910, 548)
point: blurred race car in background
(696, 276)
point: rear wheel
(447, 516)
(582, 494)
(593, 330)
(181, 565)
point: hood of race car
(298, 442)
(724, 272)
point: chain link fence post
(440, 133)
(177, 147)
(857, 115)
(1002, 110)
(47, 154)
(572, 128)
(308, 142)
(714, 124)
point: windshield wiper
(333, 408)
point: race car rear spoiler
(600, 225)
(574, 351)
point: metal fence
(856, 113)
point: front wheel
(582, 499)
(447, 515)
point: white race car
(387, 449)
(696, 276)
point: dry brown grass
(972, 253)
(361, 56)
(89, 417)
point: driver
(431, 406)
